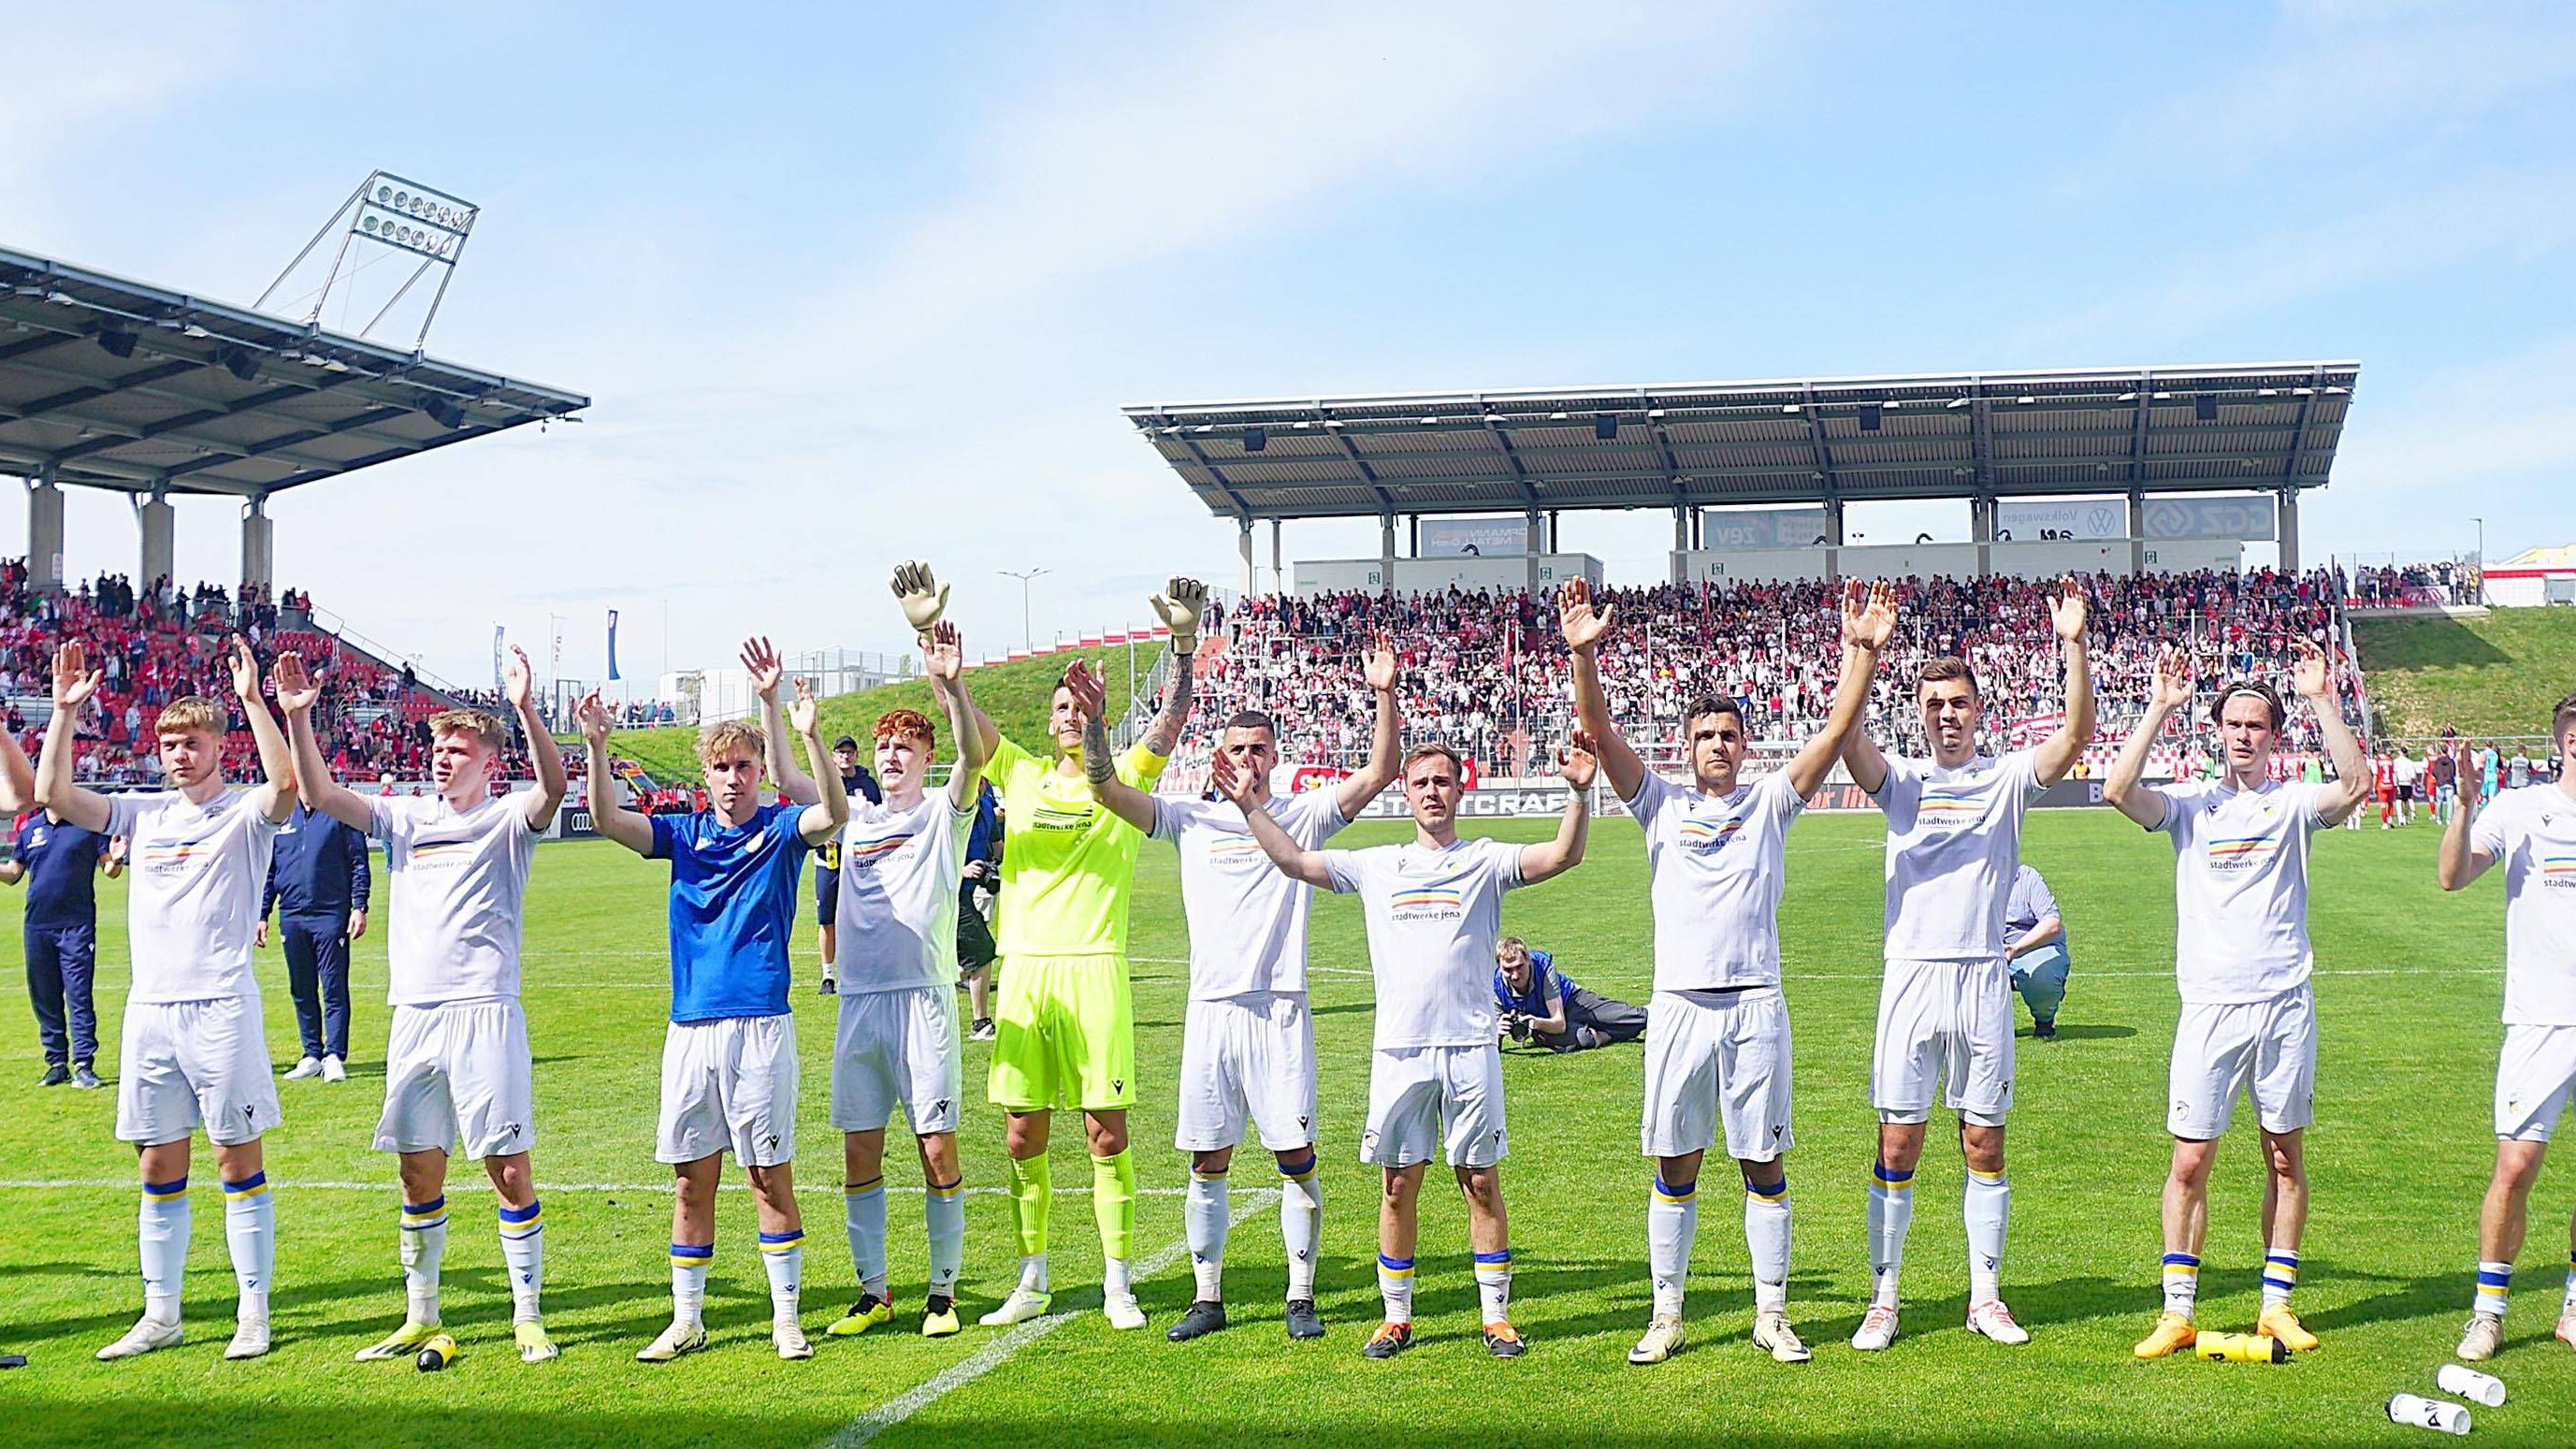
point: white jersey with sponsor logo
(1247, 917)
(460, 881)
(1953, 843)
(1716, 863)
(900, 873)
(194, 904)
(2532, 833)
(1433, 917)
(2240, 887)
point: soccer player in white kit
(1434, 908)
(1717, 1031)
(1945, 1008)
(457, 1065)
(1248, 1045)
(903, 860)
(2533, 831)
(192, 1052)
(2242, 962)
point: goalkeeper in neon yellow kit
(1066, 1026)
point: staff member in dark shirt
(855, 781)
(59, 862)
(975, 948)
(319, 875)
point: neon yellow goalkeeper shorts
(1064, 1035)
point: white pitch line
(998, 1352)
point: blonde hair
(1511, 949)
(469, 722)
(718, 741)
(190, 714)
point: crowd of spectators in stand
(2415, 586)
(1488, 672)
(160, 642)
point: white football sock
(1203, 1216)
(864, 1210)
(783, 1255)
(162, 1235)
(1672, 1224)
(250, 1230)
(1987, 1204)
(1891, 1212)
(1395, 1285)
(1494, 1285)
(689, 1281)
(523, 1250)
(2495, 1281)
(422, 1243)
(1301, 1224)
(1766, 1240)
(943, 1213)
(2182, 1283)
(2280, 1276)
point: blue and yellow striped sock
(2495, 1280)
(162, 1235)
(689, 1262)
(422, 1244)
(250, 1230)
(1891, 1214)
(1494, 1285)
(783, 1256)
(1672, 1225)
(2182, 1283)
(1395, 1285)
(523, 1249)
(2280, 1275)
(1766, 1240)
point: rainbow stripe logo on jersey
(2558, 872)
(1948, 812)
(163, 857)
(1231, 848)
(1704, 836)
(867, 853)
(1426, 903)
(2241, 852)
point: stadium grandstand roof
(2221, 428)
(108, 383)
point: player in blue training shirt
(729, 1063)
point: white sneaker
(145, 1336)
(2567, 1328)
(676, 1340)
(1663, 1339)
(2480, 1340)
(1877, 1329)
(333, 1070)
(790, 1338)
(1995, 1321)
(1122, 1310)
(1020, 1307)
(250, 1339)
(1772, 1331)
(305, 1070)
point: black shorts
(974, 939)
(827, 896)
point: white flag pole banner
(1760, 527)
(2062, 518)
(2245, 518)
(1474, 537)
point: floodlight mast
(400, 215)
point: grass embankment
(2500, 675)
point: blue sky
(854, 285)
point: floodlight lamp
(1556, 417)
(402, 200)
(2025, 400)
(1789, 410)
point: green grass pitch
(2408, 991)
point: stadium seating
(157, 644)
(1488, 672)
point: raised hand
(1090, 695)
(592, 715)
(1231, 780)
(2066, 611)
(1578, 762)
(2174, 681)
(801, 714)
(296, 688)
(74, 680)
(1577, 618)
(2310, 676)
(518, 679)
(760, 661)
(1380, 671)
(2466, 777)
(943, 656)
(245, 670)
(1869, 614)
(1178, 606)
(924, 597)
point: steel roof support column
(259, 543)
(1243, 550)
(1278, 570)
(1537, 545)
(1386, 551)
(2288, 529)
(45, 533)
(2137, 532)
(1981, 528)
(158, 523)
(1681, 543)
